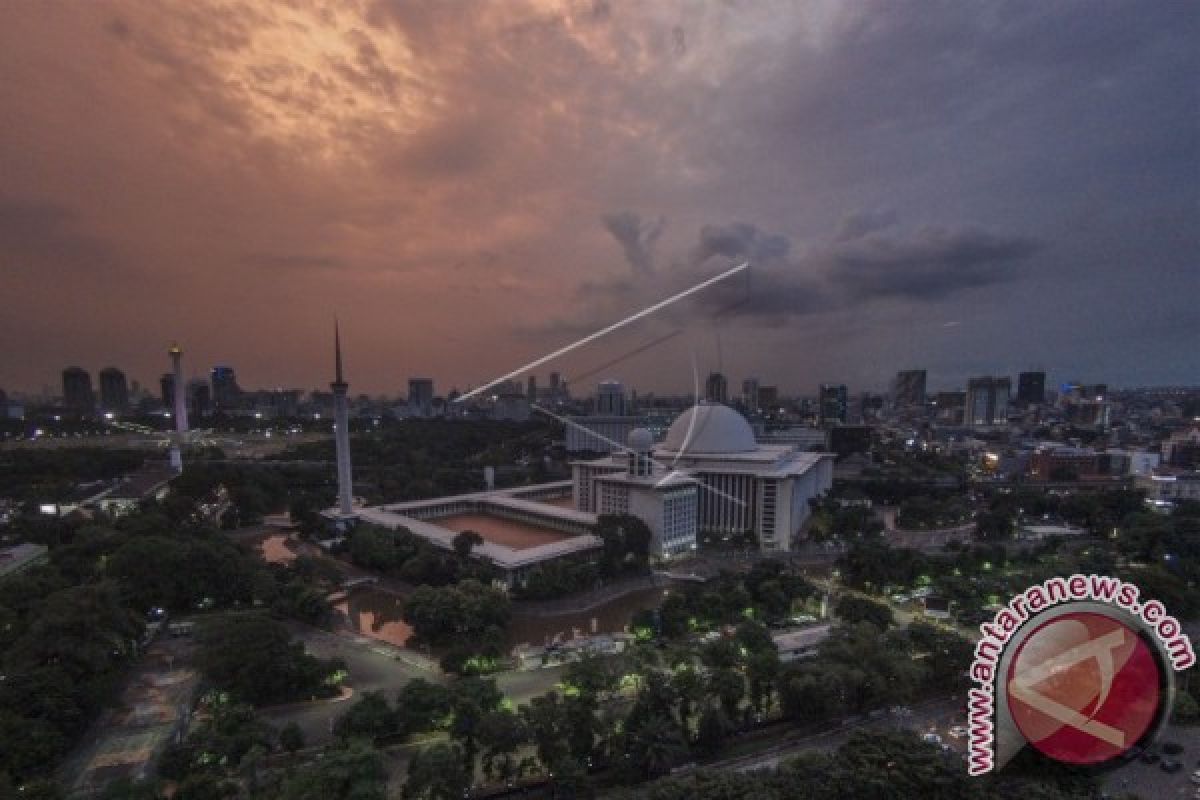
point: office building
(199, 398)
(1031, 388)
(1085, 405)
(114, 391)
(768, 398)
(948, 407)
(77, 390)
(832, 404)
(225, 390)
(750, 394)
(420, 397)
(908, 390)
(531, 389)
(987, 401)
(610, 399)
(716, 389)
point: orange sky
(446, 177)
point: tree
(853, 609)
(545, 720)
(654, 745)
(438, 772)
(728, 687)
(369, 718)
(467, 612)
(689, 689)
(471, 700)
(501, 733)
(355, 772)
(422, 706)
(711, 732)
(291, 738)
(254, 658)
(464, 542)
(762, 670)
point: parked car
(1171, 765)
(931, 738)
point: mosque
(709, 477)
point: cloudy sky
(971, 188)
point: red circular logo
(1083, 688)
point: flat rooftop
(498, 530)
(518, 527)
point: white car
(958, 731)
(931, 738)
(1196, 779)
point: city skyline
(1020, 199)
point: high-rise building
(716, 388)
(200, 398)
(1085, 404)
(531, 388)
(610, 399)
(909, 388)
(77, 390)
(768, 397)
(341, 431)
(987, 401)
(832, 403)
(750, 393)
(420, 397)
(225, 389)
(114, 391)
(1031, 388)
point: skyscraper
(200, 398)
(1031, 388)
(77, 390)
(987, 400)
(341, 432)
(225, 389)
(750, 393)
(909, 388)
(716, 389)
(420, 397)
(114, 391)
(832, 403)
(610, 399)
(531, 388)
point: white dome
(641, 440)
(710, 428)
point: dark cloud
(931, 265)
(740, 240)
(860, 223)
(636, 237)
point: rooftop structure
(709, 476)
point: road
(936, 716)
(376, 666)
